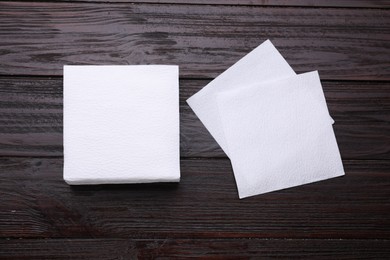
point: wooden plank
(301, 3)
(193, 248)
(38, 38)
(31, 118)
(297, 3)
(36, 202)
(272, 3)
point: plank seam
(191, 239)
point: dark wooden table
(41, 217)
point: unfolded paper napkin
(279, 135)
(121, 124)
(262, 64)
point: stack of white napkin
(273, 124)
(121, 124)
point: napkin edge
(94, 181)
(336, 175)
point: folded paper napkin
(279, 135)
(121, 124)
(273, 124)
(260, 65)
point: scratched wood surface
(302, 3)
(342, 43)
(37, 203)
(43, 218)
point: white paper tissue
(262, 64)
(279, 135)
(121, 124)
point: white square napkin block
(262, 64)
(279, 135)
(121, 124)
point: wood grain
(193, 248)
(39, 38)
(298, 3)
(37, 203)
(31, 118)
(41, 217)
